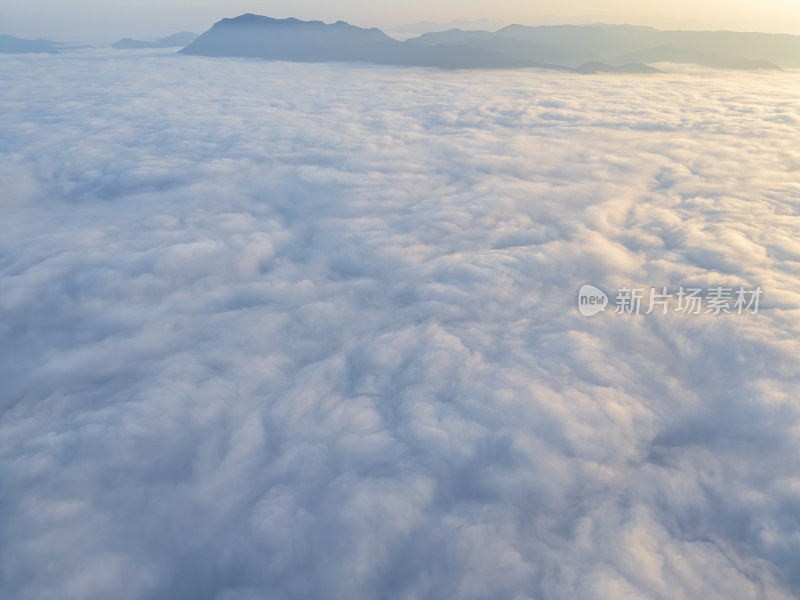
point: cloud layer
(308, 331)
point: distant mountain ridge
(594, 67)
(681, 55)
(580, 48)
(257, 36)
(597, 48)
(620, 43)
(178, 40)
(14, 45)
(430, 26)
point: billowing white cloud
(309, 331)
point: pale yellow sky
(743, 15)
(109, 20)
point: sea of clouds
(293, 331)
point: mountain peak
(257, 36)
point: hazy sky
(100, 20)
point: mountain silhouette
(579, 48)
(313, 41)
(429, 26)
(557, 56)
(179, 40)
(13, 45)
(625, 43)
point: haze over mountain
(13, 45)
(594, 67)
(433, 26)
(582, 48)
(618, 43)
(562, 56)
(178, 40)
(682, 55)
